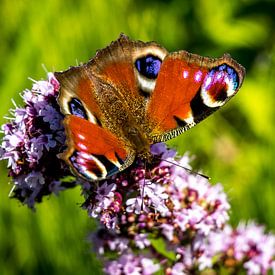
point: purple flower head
(141, 240)
(31, 142)
(132, 264)
(247, 245)
(163, 202)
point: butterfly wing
(93, 151)
(188, 89)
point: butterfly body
(129, 123)
(133, 94)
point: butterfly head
(138, 140)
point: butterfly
(133, 94)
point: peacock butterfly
(133, 94)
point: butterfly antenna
(185, 168)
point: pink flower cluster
(32, 139)
(247, 246)
(165, 191)
(132, 264)
(173, 218)
(153, 217)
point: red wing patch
(176, 86)
(188, 89)
(94, 153)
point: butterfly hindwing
(188, 89)
(92, 151)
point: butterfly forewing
(188, 89)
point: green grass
(236, 146)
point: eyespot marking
(88, 166)
(110, 167)
(76, 108)
(148, 66)
(92, 166)
(219, 85)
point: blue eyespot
(148, 66)
(222, 67)
(232, 74)
(219, 85)
(76, 108)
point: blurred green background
(235, 146)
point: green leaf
(160, 246)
